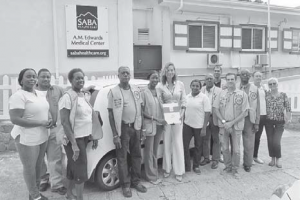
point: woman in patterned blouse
(278, 112)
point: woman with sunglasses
(278, 113)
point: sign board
(172, 113)
(87, 31)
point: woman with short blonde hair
(278, 113)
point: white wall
(27, 40)
(26, 35)
(197, 62)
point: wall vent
(143, 34)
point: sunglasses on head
(272, 83)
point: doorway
(146, 58)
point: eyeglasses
(270, 84)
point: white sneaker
(259, 161)
(158, 181)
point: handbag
(149, 127)
(97, 132)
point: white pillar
(269, 40)
(166, 36)
(125, 34)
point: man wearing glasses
(252, 120)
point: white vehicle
(102, 162)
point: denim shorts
(77, 170)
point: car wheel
(107, 175)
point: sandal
(166, 175)
(271, 163)
(178, 178)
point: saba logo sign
(87, 18)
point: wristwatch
(223, 121)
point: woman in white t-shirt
(196, 117)
(76, 119)
(28, 111)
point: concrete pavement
(210, 185)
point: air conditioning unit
(213, 59)
(262, 59)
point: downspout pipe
(180, 7)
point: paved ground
(210, 185)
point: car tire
(107, 175)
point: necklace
(171, 88)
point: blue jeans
(248, 142)
(212, 132)
(231, 160)
(31, 158)
(129, 173)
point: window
(296, 40)
(253, 39)
(203, 37)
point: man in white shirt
(257, 77)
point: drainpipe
(56, 61)
(181, 6)
(269, 39)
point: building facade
(145, 34)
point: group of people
(50, 120)
(218, 115)
(46, 116)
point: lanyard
(171, 90)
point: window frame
(295, 29)
(264, 36)
(217, 35)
